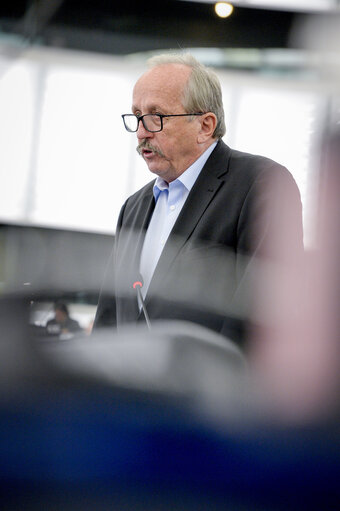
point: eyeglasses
(151, 122)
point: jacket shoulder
(241, 164)
(256, 165)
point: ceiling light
(223, 9)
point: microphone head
(137, 284)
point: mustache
(146, 145)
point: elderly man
(192, 235)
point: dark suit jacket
(232, 216)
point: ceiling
(108, 26)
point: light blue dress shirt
(170, 198)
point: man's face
(170, 152)
(60, 316)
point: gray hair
(203, 91)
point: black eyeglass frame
(161, 117)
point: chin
(155, 169)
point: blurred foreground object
(110, 425)
(179, 359)
(295, 355)
(295, 344)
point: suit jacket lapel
(202, 194)
(142, 221)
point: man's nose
(142, 132)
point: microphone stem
(146, 315)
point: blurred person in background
(62, 323)
(192, 235)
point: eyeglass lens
(151, 122)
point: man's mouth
(148, 151)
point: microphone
(138, 286)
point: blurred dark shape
(124, 28)
(37, 16)
(73, 439)
(57, 264)
(17, 359)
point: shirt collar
(189, 176)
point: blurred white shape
(293, 5)
(16, 122)
(290, 5)
(82, 154)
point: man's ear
(208, 123)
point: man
(192, 236)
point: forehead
(161, 86)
